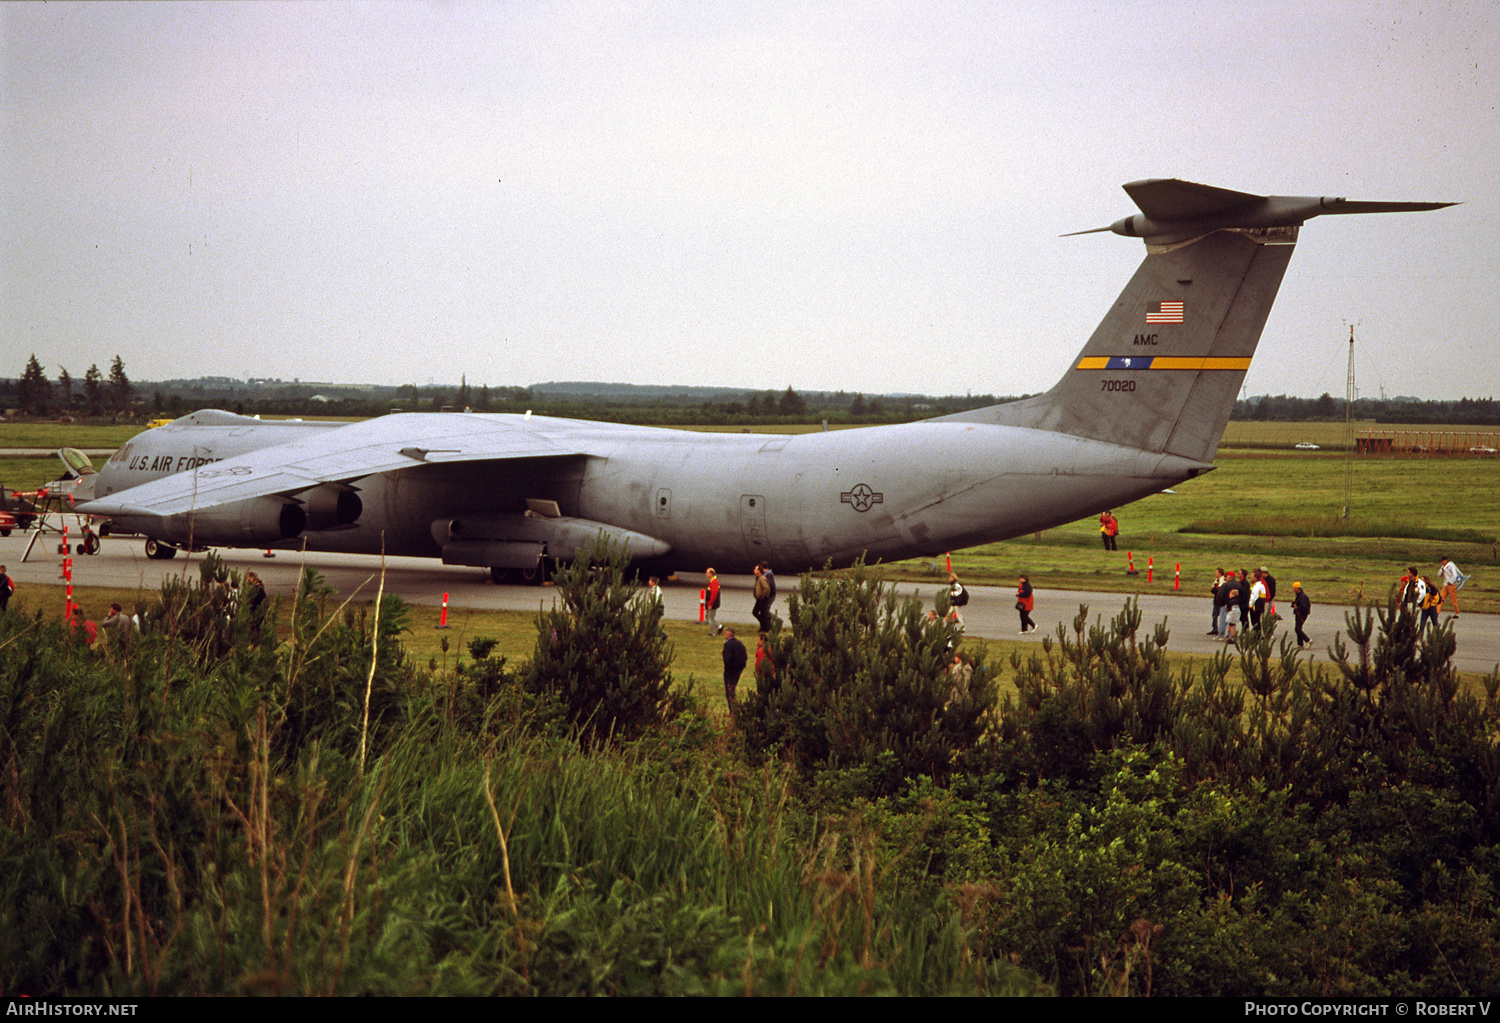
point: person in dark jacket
(735, 658)
(1301, 608)
(256, 594)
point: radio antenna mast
(1349, 426)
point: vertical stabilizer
(1161, 372)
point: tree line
(1325, 407)
(35, 395)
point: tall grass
(187, 815)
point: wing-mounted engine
(257, 522)
(520, 541)
(331, 506)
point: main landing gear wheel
(158, 551)
(90, 544)
(533, 576)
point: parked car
(1307, 446)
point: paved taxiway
(991, 612)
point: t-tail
(1161, 372)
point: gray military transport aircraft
(1141, 408)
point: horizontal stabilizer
(1175, 199)
(1173, 210)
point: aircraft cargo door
(753, 526)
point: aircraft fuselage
(720, 499)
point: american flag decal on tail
(1169, 312)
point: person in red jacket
(1109, 528)
(1025, 601)
(711, 603)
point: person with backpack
(1452, 580)
(1301, 608)
(1431, 601)
(958, 597)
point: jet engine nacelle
(515, 541)
(254, 523)
(331, 506)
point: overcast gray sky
(856, 196)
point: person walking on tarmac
(765, 595)
(1301, 608)
(958, 597)
(1452, 580)
(1025, 601)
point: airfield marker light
(1150, 568)
(1177, 577)
(443, 621)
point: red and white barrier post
(67, 574)
(443, 622)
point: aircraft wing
(340, 455)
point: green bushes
(197, 814)
(1281, 829)
(603, 654)
(189, 817)
(862, 681)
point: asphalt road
(990, 614)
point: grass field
(1330, 436)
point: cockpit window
(77, 462)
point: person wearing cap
(1301, 608)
